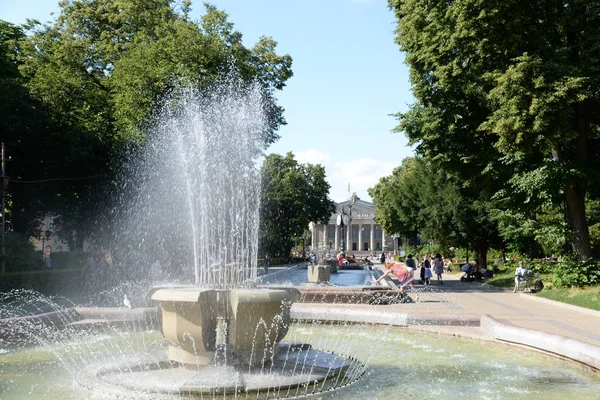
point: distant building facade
(362, 235)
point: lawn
(588, 297)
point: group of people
(405, 271)
(437, 263)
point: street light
(45, 236)
(343, 218)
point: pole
(3, 218)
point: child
(428, 274)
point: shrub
(454, 267)
(543, 267)
(46, 281)
(69, 259)
(21, 254)
(569, 273)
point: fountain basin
(296, 365)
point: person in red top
(403, 273)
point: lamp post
(45, 236)
(343, 218)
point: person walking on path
(424, 265)
(403, 274)
(428, 274)
(382, 257)
(438, 264)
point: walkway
(462, 299)
(456, 306)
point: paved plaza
(456, 307)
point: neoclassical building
(362, 234)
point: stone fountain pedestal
(238, 326)
(319, 273)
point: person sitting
(522, 275)
(404, 275)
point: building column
(382, 239)
(372, 241)
(360, 246)
(325, 243)
(313, 236)
(337, 237)
(349, 237)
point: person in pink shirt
(340, 258)
(403, 273)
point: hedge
(48, 281)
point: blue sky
(348, 77)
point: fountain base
(295, 366)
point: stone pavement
(465, 300)
(457, 307)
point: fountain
(199, 176)
(192, 202)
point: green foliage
(21, 254)
(420, 198)
(506, 114)
(576, 273)
(75, 94)
(46, 281)
(69, 260)
(595, 238)
(588, 297)
(292, 196)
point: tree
(517, 78)
(292, 196)
(523, 75)
(420, 198)
(98, 72)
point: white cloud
(312, 156)
(361, 173)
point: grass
(588, 297)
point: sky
(349, 77)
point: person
(422, 270)
(340, 258)
(426, 263)
(438, 264)
(427, 274)
(410, 262)
(48, 256)
(382, 258)
(521, 276)
(403, 274)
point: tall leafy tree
(420, 198)
(512, 84)
(99, 70)
(293, 195)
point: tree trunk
(575, 189)
(580, 240)
(481, 249)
